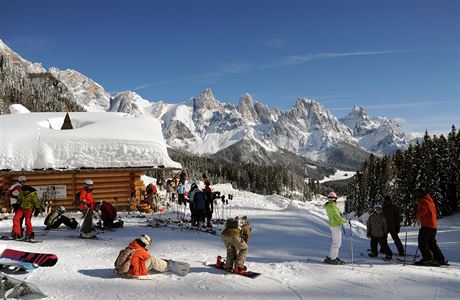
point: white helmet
(60, 209)
(146, 240)
(88, 182)
(22, 178)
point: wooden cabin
(57, 152)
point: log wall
(115, 186)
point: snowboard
(249, 274)
(15, 288)
(41, 259)
(180, 268)
(7, 264)
(10, 238)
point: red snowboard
(41, 259)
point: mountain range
(304, 137)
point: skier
(335, 225)
(142, 261)
(86, 197)
(181, 193)
(236, 238)
(108, 215)
(426, 214)
(56, 217)
(183, 176)
(209, 203)
(198, 201)
(392, 215)
(28, 202)
(193, 190)
(377, 231)
(14, 193)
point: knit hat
(332, 195)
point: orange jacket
(86, 200)
(426, 212)
(138, 267)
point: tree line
(432, 165)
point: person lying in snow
(142, 262)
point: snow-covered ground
(288, 243)
(339, 175)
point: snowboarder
(28, 202)
(392, 215)
(14, 193)
(335, 225)
(56, 217)
(142, 261)
(377, 231)
(236, 238)
(86, 197)
(426, 214)
(108, 215)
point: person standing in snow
(14, 193)
(28, 202)
(426, 214)
(56, 217)
(209, 202)
(183, 176)
(236, 238)
(142, 261)
(392, 215)
(86, 197)
(377, 231)
(335, 225)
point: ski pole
(405, 249)
(416, 252)
(351, 243)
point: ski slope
(288, 243)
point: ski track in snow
(289, 240)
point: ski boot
(239, 270)
(220, 264)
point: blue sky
(399, 59)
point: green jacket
(28, 202)
(333, 213)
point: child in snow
(236, 237)
(108, 214)
(377, 231)
(142, 261)
(335, 225)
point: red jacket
(108, 212)
(426, 212)
(138, 267)
(86, 200)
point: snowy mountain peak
(206, 100)
(16, 61)
(247, 109)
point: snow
(338, 175)
(99, 140)
(289, 240)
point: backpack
(123, 261)
(231, 223)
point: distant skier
(142, 261)
(392, 215)
(335, 225)
(209, 209)
(56, 217)
(14, 190)
(236, 238)
(426, 214)
(377, 231)
(183, 177)
(28, 202)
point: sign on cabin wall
(51, 191)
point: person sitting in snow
(108, 214)
(56, 217)
(335, 225)
(142, 262)
(377, 231)
(28, 202)
(236, 238)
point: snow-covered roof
(30, 141)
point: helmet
(194, 186)
(332, 195)
(22, 178)
(377, 206)
(60, 209)
(146, 240)
(88, 183)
